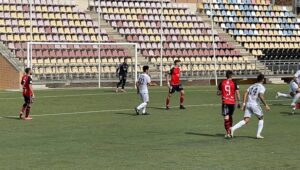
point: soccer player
(122, 71)
(294, 94)
(229, 91)
(251, 105)
(28, 94)
(142, 89)
(174, 84)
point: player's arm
(117, 70)
(245, 100)
(262, 99)
(137, 84)
(30, 87)
(168, 77)
(219, 92)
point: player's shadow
(124, 113)
(215, 135)
(289, 114)
(157, 108)
(11, 117)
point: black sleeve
(220, 86)
(236, 86)
(171, 71)
(29, 80)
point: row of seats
(203, 60)
(39, 2)
(47, 22)
(183, 45)
(281, 39)
(135, 4)
(54, 16)
(166, 31)
(48, 30)
(73, 53)
(276, 27)
(157, 24)
(52, 37)
(37, 8)
(250, 2)
(243, 7)
(174, 38)
(190, 53)
(254, 20)
(152, 16)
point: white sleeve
(297, 74)
(149, 79)
(262, 90)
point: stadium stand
(57, 21)
(249, 21)
(185, 35)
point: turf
(96, 129)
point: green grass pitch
(97, 129)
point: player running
(28, 94)
(251, 105)
(142, 89)
(229, 91)
(294, 94)
(174, 84)
(122, 71)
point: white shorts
(253, 109)
(145, 97)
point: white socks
(284, 95)
(238, 125)
(142, 106)
(296, 99)
(260, 127)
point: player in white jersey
(294, 89)
(252, 99)
(294, 93)
(142, 89)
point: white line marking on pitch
(102, 111)
(94, 94)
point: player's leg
(259, 114)
(119, 83)
(283, 95)
(171, 91)
(225, 113)
(23, 109)
(123, 83)
(295, 99)
(145, 100)
(28, 108)
(182, 99)
(143, 105)
(247, 116)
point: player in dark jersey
(28, 94)
(122, 71)
(174, 84)
(229, 91)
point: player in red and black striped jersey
(28, 94)
(174, 84)
(229, 92)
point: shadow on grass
(11, 117)
(123, 113)
(157, 108)
(289, 113)
(216, 135)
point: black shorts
(228, 109)
(175, 88)
(28, 99)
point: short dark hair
(260, 77)
(125, 58)
(145, 68)
(27, 70)
(229, 73)
(177, 61)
